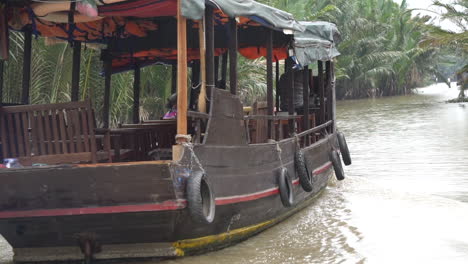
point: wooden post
(202, 40)
(291, 109)
(136, 95)
(233, 55)
(222, 82)
(321, 94)
(210, 60)
(174, 79)
(195, 82)
(328, 91)
(26, 66)
(181, 75)
(75, 84)
(269, 59)
(216, 77)
(305, 93)
(277, 99)
(2, 63)
(333, 97)
(107, 87)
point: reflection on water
(405, 199)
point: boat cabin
(202, 44)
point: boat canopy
(143, 32)
(317, 42)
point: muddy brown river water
(405, 198)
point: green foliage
(381, 51)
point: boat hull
(139, 210)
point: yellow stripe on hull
(187, 246)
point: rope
(193, 157)
(279, 150)
(188, 138)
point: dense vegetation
(385, 51)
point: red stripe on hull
(165, 206)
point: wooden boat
(233, 170)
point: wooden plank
(198, 115)
(305, 97)
(85, 127)
(4, 138)
(75, 86)
(173, 79)
(27, 144)
(222, 82)
(77, 130)
(181, 71)
(58, 158)
(233, 55)
(202, 44)
(40, 133)
(91, 127)
(70, 132)
(43, 107)
(48, 133)
(20, 137)
(26, 66)
(277, 79)
(291, 110)
(35, 145)
(216, 70)
(63, 133)
(210, 60)
(11, 134)
(321, 93)
(55, 133)
(269, 61)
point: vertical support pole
(305, 93)
(181, 74)
(107, 87)
(277, 99)
(233, 55)
(202, 39)
(2, 63)
(210, 59)
(291, 109)
(333, 96)
(75, 84)
(321, 89)
(216, 77)
(328, 91)
(195, 83)
(136, 95)
(222, 82)
(269, 61)
(26, 66)
(174, 79)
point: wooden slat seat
(50, 133)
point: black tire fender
(285, 188)
(344, 149)
(305, 178)
(337, 166)
(200, 198)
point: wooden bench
(51, 134)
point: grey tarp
(261, 13)
(317, 42)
